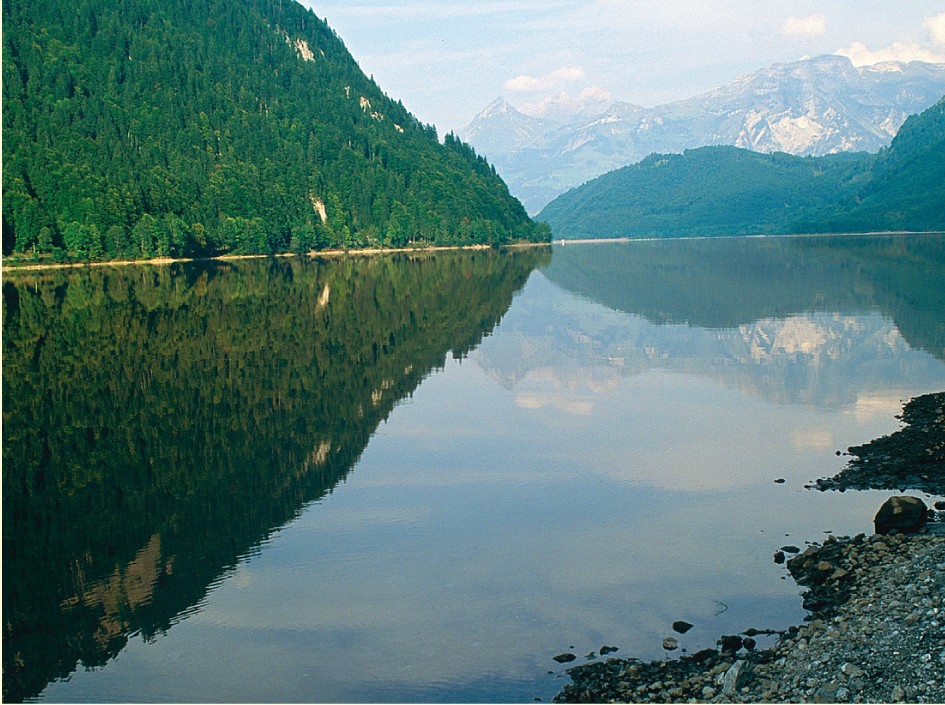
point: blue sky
(447, 59)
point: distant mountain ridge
(812, 107)
(713, 191)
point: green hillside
(730, 191)
(139, 128)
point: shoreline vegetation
(876, 604)
(28, 266)
(21, 264)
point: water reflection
(656, 327)
(593, 470)
(732, 282)
(159, 423)
(793, 320)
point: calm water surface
(419, 478)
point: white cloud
(549, 82)
(805, 27)
(861, 55)
(592, 99)
(936, 25)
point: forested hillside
(731, 191)
(141, 128)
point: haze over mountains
(816, 106)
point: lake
(417, 478)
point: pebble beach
(875, 629)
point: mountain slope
(907, 185)
(165, 127)
(728, 191)
(812, 107)
(500, 128)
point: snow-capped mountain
(810, 107)
(501, 129)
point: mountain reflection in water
(811, 319)
(725, 283)
(593, 467)
(161, 422)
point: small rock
(730, 642)
(940, 505)
(851, 670)
(730, 681)
(604, 650)
(564, 658)
(826, 694)
(708, 692)
(670, 644)
(681, 626)
(898, 694)
(749, 643)
(779, 481)
(790, 549)
(903, 513)
(703, 655)
(779, 557)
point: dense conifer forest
(149, 128)
(730, 191)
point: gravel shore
(877, 635)
(911, 458)
(876, 625)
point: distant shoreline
(312, 254)
(756, 236)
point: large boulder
(907, 515)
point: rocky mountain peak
(818, 105)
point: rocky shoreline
(912, 458)
(875, 631)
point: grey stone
(851, 670)
(730, 680)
